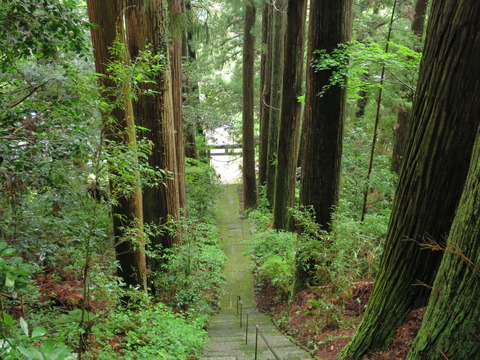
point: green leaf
(3, 246)
(24, 326)
(8, 320)
(9, 280)
(38, 332)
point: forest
(358, 122)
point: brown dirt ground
(326, 337)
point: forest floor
(307, 325)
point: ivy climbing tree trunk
(443, 128)
(127, 211)
(248, 141)
(285, 176)
(279, 20)
(146, 24)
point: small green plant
(190, 277)
(147, 331)
(37, 344)
(202, 189)
(273, 254)
(279, 271)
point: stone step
(226, 335)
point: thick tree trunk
(450, 327)
(127, 211)
(146, 25)
(278, 41)
(265, 86)
(285, 176)
(330, 25)
(443, 128)
(248, 139)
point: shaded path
(227, 338)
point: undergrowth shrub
(191, 276)
(273, 254)
(152, 331)
(203, 189)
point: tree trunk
(443, 128)
(265, 86)
(418, 22)
(451, 324)
(146, 25)
(248, 140)
(400, 133)
(330, 25)
(278, 42)
(285, 176)
(176, 24)
(189, 87)
(127, 211)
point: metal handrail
(257, 329)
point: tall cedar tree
(248, 140)
(285, 176)
(330, 25)
(443, 129)
(450, 326)
(189, 55)
(146, 26)
(176, 47)
(277, 33)
(127, 212)
(265, 86)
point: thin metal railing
(249, 319)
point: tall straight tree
(330, 25)
(285, 176)
(146, 23)
(443, 129)
(127, 210)
(277, 33)
(265, 86)
(450, 326)
(176, 48)
(248, 140)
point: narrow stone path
(227, 337)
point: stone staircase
(226, 335)
(228, 340)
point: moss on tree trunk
(442, 133)
(451, 325)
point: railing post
(256, 341)
(246, 331)
(241, 314)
